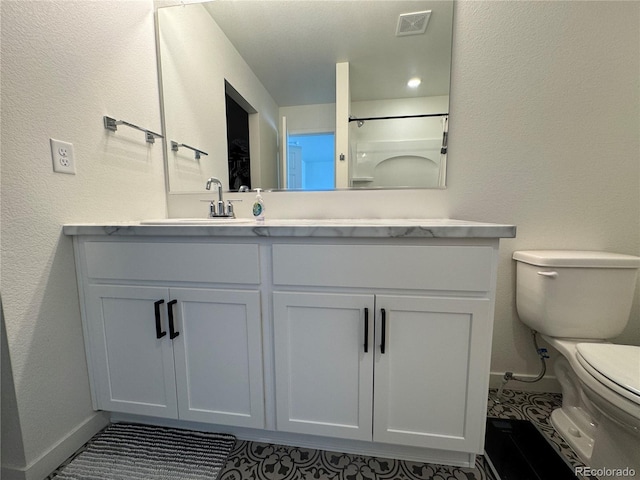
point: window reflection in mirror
(310, 163)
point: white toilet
(577, 300)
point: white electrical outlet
(62, 156)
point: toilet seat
(622, 398)
(615, 366)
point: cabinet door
(133, 370)
(218, 356)
(430, 382)
(324, 378)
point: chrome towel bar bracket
(112, 124)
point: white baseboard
(56, 455)
(547, 384)
(10, 473)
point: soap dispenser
(258, 207)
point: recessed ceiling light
(414, 82)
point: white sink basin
(197, 221)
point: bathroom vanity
(369, 337)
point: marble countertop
(377, 228)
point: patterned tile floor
(261, 461)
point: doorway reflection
(238, 155)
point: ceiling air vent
(412, 23)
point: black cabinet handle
(384, 329)
(366, 330)
(172, 332)
(156, 307)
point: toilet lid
(618, 363)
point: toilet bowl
(577, 300)
(600, 413)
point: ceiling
(293, 45)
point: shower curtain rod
(355, 119)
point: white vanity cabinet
(162, 348)
(405, 363)
(369, 337)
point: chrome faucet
(218, 184)
(219, 209)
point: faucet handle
(212, 207)
(230, 211)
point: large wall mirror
(306, 94)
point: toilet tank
(575, 294)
